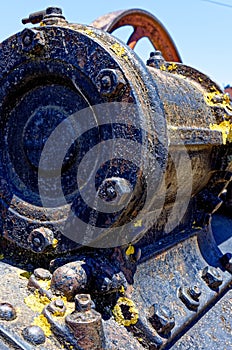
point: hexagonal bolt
(110, 82)
(190, 296)
(194, 292)
(32, 41)
(57, 307)
(83, 302)
(115, 190)
(53, 10)
(156, 59)
(212, 277)
(226, 261)
(34, 335)
(162, 319)
(53, 15)
(59, 303)
(41, 239)
(42, 274)
(7, 312)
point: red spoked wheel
(144, 25)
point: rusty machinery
(129, 254)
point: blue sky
(201, 30)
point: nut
(194, 292)
(34, 335)
(156, 59)
(83, 302)
(32, 41)
(212, 277)
(226, 261)
(57, 307)
(190, 296)
(115, 190)
(42, 274)
(110, 82)
(161, 319)
(41, 239)
(7, 312)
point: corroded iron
(150, 254)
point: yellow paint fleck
(226, 129)
(119, 50)
(130, 250)
(1, 256)
(36, 302)
(172, 67)
(89, 32)
(118, 314)
(209, 97)
(223, 99)
(138, 223)
(226, 98)
(25, 275)
(213, 88)
(163, 67)
(43, 323)
(122, 290)
(200, 79)
(54, 243)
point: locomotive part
(115, 181)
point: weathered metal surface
(159, 254)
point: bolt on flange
(110, 82)
(41, 239)
(115, 190)
(212, 277)
(32, 41)
(190, 297)
(162, 319)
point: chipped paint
(172, 67)
(119, 50)
(130, 250)
(118, 313)
(43, 323)
(163, 67)
(226, 129)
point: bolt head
(226, 261)
(27, 40)
(162, 319)
(115, 190)
(34, 335)
(194, 292)
(32, 41)
(42, 274)
(212, 277)
(110, 82)
(53, 10)
(59, 303)
(83, 302)
(7, 312)
(106, 82)
(40, 239)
